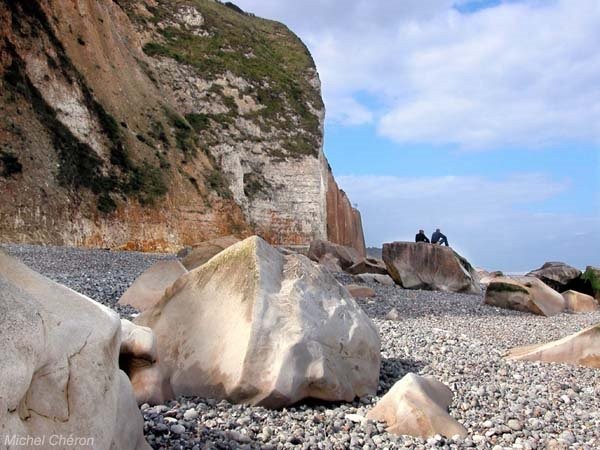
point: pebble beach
(452, 337)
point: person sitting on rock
(420, 237)
(438, 238)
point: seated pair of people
(436, 238)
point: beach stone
(393, 314)
(287, 331)
(59, 372)
(204, 251)
(581, 349)
(558, 275)
(150, 286)
(417, 406)
(386, 280)
(368, 265)
(580, 303)
(526, 294)
(359, 291)
(433, 267)
(345, 257)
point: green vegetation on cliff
(266, 54)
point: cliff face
(153, 124)
(344, 224)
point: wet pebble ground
(453, 337)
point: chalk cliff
(154, 124)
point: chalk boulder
(345, 257)
(526, 294)
(417, 406)
(582, 349)
(433, 267)
(203, 251)
(558, 275)
(150, 286)
(577, 302)
(59, 370)
(258, 327)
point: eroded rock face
(417, 406)
(203, 251)
(581, 349)
(59, 372)
(426, 266)
(558, 275)
(327, 253)
(579, 303)
(140, 148)
(526, 294)
(150, 286)
(254, 326)
(344, 224)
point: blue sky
(478, 117)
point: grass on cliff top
(263, 52)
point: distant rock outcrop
(427, 266)
(526, 294)
(255, 326)
(582, 349)
(59, 372)
(558, 275)
(417, 406)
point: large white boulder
(150, 286)
(526, 294)
(255, 326)
(577, 302)
(203, 251)
(59, 367)
(417, 406)
(417, 265)
(581, 349)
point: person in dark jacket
(438, 238)
(420, 237)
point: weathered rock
(346, 257)
(368, 265)
(358, 291)
(424, 266)
(344, 224)
(417, 406)
(486, 277)
(59, 372)
(558, 275)
(203, 251)
(581, 349)
(526, 294)
(386, 280)
(150, 286)
(137, 358)
(331, 263)
(255, 326)
(579, 303)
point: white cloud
(490, 221)
(519, 74)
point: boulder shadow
(394, 369)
